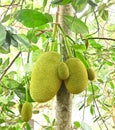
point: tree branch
(102, 38)
(10, 65)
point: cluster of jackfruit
(26, 111)
(48, 73)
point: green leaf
(95, 45)
(20, 92)
(79, 47)
(3, 127)
(28, 68)
(76, 25)
(44, 3)
(85, 126)
(3, 49)
(112, 85)
(6, 18)
(109, 63)
(89, 99)
(11, 83)
(82, 105)
(28, 127)
(104, 15)
(76, 124)
(90, 2)
(2, 34)
(3, 100)
(53, 122)
(96, 88)
(61, 2)
(79, 5)
(31, 18)
(82, 58)
(92, 111)
(0, 61)
(47, 118)
(2, 121)
(22, 40)
(29, 97)
(8, 38)
(14, 41)
(49, 17)
(100, 80)
(9, 111)
(31, 35)
(6, 63)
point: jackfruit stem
(27, 93)
(68, 48)
(56, 23)
(55, 29)
(66, 41)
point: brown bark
(64, 98)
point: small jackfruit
(44, 79)
(91, 74)
(78, 78)
(26, 111)
(63, 71)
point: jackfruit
(26, 111)
(91, 74)
(63, 71)
(44, 79)
(78, 78)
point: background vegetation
(27, 30)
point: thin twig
(9, 5)
(22, 3)
(96, 22)
(43, 31)
(84, 104)
(10, 65)
(102, 38)
(98, 107)
(98, 123)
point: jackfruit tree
(62, 52)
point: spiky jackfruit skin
(91, 74)
(26, 111)
(78, 78)
(63, 71)
(44, 79)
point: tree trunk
(64, 98)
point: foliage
(28, 28)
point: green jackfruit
(44, 79)
(26, 111)
(91, 74)
(63, 71)
(78, 78)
